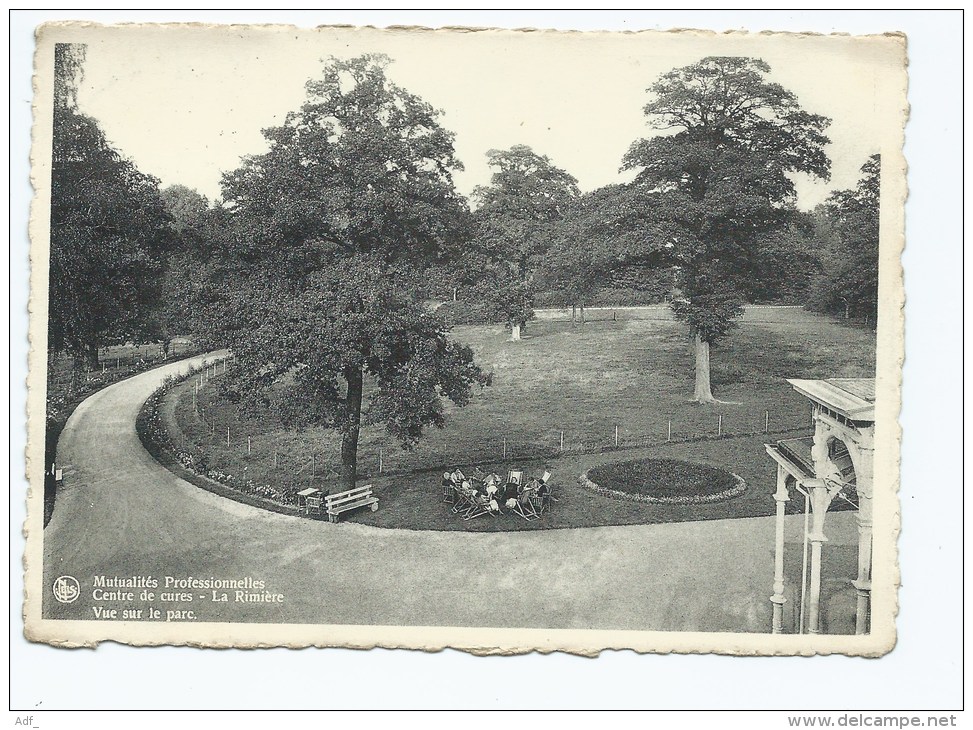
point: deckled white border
(934, 306)
(477, 640)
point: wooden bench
(352, 499)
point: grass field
(635, 374)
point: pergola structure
(835, 463)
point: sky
(186, 104)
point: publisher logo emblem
(67, 589)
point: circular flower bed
(663, 481)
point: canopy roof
(853, 398)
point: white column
(781, 496)
(820, 500)
(863, 584)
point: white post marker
(616, 437)
(766, 421)
(381, 464)
(248, 446)
(562, 440)
(669, 432)
(227, 436)
(719, 426)
(504, 447)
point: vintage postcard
(497, 340)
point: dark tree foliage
(108, 230)
(606, 231)
(331, 231)
(187, 208)
(720, 181)
(195, 228)
(849, 234)
(516, 220)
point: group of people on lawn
(482, 493)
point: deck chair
(525, 504)
(463, 499)
(482, 505)
(449, 491)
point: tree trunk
(704, 393)
(166, 345)
(574, 312)
(582, 313)
(515, 332)
(91, 357)
(349, 438)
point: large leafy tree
(516, 221)
(332, 228)
(108, 230)
(195, 227)
(717, 178)
(848, 282)
(605, 232)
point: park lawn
(634, 373)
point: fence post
(381, 463)
(312, 465)
(248, 446)
(669, 433)
(766, 421)
(616, 436)
(227, 437)
(719, 426)
(562, 440)
(505, 447)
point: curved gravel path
(120, 513)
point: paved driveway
(119, 513)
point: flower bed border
(157, 441)
(735, 491)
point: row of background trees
(317, 266)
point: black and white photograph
(491, 340)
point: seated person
(447, 479)
(510, 491)
(457, 476)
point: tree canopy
(605, 232)
(108, 229)
(720, 180)
(516, 221)
(849, 252)
(332, 228)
